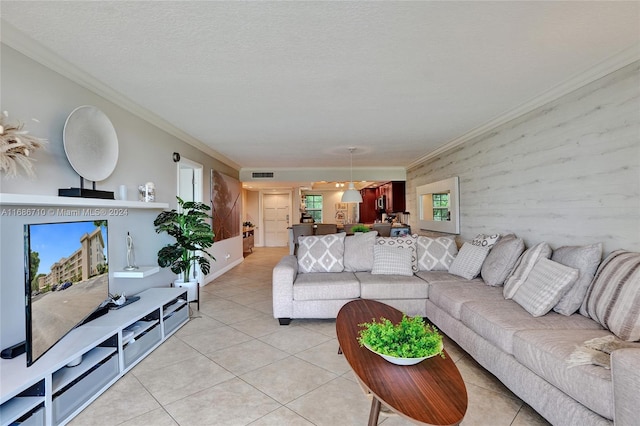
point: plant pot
(403, 361)
(190, 286)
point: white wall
(30, 90)
(567, 173)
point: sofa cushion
(358, 251)
(524, 266)
(501, 260)
(321, 253)
(613, 298)
(498, 321)
(391, 261)
(484, 240)
(436, 254)
(391, 286)
(451, 295)
(586, 260)
(468, 262)
(545, 352)
(545, 285)
(326, 286)
(408, 242)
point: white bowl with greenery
(406, 343)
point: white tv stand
(49, 393)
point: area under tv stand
(49, 393)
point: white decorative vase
(190, 286)
(403, 361)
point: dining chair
(326, 228)
(384, 229)
(300, 230)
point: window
(441, 207)
(313, 204)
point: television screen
(67, 279)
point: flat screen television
(66, 280)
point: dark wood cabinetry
(391, 194)
(368, 207)
(395, 196)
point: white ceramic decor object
(91, 143)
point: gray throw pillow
(586, 260)
(389, 260)
(523, 267)
(408, 242)
(436, 254)
(501, 260)
(468, 262)
(358, 251)
(613, 297)
(321, 253)
(547, 282)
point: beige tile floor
(232, 364)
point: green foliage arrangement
(192, 234)
(410, 338)
(360, 228)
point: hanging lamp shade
(351, 195)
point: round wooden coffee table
(431, 392)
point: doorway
(276, 212)
(190, 189)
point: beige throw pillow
(544, 286)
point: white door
(275, 213)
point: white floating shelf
(51, 200)
(141, 272)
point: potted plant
(407, 342)
(193, 237)
(360, 228)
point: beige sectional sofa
(529, 341)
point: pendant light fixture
(351, 195)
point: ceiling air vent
(262, 175)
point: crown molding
(24, 44)
(609, 65)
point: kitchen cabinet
(394, 194)
(369, 208)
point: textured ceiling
(294, 84)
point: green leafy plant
(360, 228)
(410, 338)
(193, 236)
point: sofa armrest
(625, 374)
(284, 275)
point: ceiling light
(351, 195)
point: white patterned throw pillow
(436, 254)
(469, 260)
(408, 242)
(545, 285)
(321, 253)
(523, 267)
(391, 261)
(484, 240)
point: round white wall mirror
(91, 143)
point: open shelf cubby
(51, 393)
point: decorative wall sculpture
(225, 205)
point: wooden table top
(431, 392)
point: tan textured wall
(567, 173)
